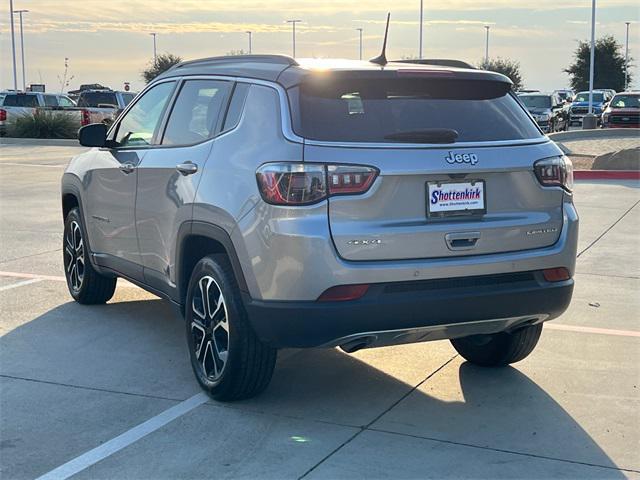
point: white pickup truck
(15, 104)
(104, 105)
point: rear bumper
(407, 312)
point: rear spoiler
(440, 62)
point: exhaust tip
(357, 344)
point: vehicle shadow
(138, 347)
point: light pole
(155, 52)
(293, 23)
(249, 33)
(24, 78)
(360, 32)
(13, 47)
(486, 45)
(592, 56)
(626, 59)
(421, 17)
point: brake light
(309, 183)
(86, 118)
(343, 293)
(555, 172)
(3, 115)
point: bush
(43, 124)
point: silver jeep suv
(325, 203)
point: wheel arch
(196, 240)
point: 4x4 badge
(471, 158)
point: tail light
(309, 183)
(86, 118)
(555, 172)
(3, 115)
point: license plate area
(455, 198)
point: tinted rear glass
(93, 99)
(372, 109)
(50, 100)
(20, 101)
(127, 97)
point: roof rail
(441, 62)
(276, 59)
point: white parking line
(601, 331)
(122, 441)
(20, 284)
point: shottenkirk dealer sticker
(456, 197)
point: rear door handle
(127, 168)
(187, 168)
(462, 240)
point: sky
(108, 42)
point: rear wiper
(430, 135)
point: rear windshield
(20, 101)
(536, 101)
(94, 99)
(400, 109)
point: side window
(196, 111)
(50, 101)
(236, 106)
(65, 102)
(137, 127)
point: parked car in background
(104, 106)
(623, 111)
(548, 110)
(565, 95)
(580, 105)
(14, 104)
(74, 94)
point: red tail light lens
(559, 274)
(343, 293)
(308, 183)
(555, 172)
(350, 179)
(3, 115)
(86, 118)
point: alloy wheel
(74, 260)
(210, 327)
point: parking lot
(116, 378)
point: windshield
(93, 99)
(626, 101)
(21, 101)
(536, 101)
(407, 110)
(584, 97)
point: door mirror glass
(138, 127)
(93, 135)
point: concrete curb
(40, 142)
(595, 134)
(606, 175)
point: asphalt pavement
(107, 391)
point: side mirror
(93, 135)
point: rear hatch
(473, 195)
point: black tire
(498, 349)
(234, 364)
(85, 285)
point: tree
(507, 67)
(163, 62)
(608, 68)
